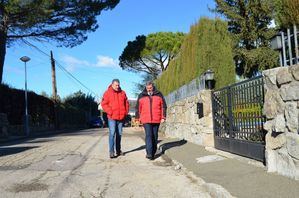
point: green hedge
(40, 108)
(71, 117)
(207, 46)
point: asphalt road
(77, 164)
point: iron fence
(286, 41)
(191, 89)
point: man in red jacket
(151, 110)
(115, 104)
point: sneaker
(120, 153)
(112, 155)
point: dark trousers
(151, 138)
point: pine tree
(151, 54)
(248, 22)
(64, 22)
(286, 12)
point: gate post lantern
(209, 78)
(276, 44)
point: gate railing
(286, 42)
(238, 110)
(238, 118)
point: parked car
(96, 122)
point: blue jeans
(151, 138)
(115, 132)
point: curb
(214, 190)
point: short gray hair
(149, 83)
(115, 80)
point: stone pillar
(281, 109)
(183, 122)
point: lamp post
(209, 78)
(25, 59)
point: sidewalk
(240, 176)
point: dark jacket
(115, 104)
(151, 109)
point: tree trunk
(3, 38)
(2, 52)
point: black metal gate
(238, 119)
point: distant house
(132, 103)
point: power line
(61, 67)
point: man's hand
(163, 120)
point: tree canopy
(286, 12)
(248, 22)
(139, 87)
(152, 53)
(65, 22)
(81, 101)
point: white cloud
(106, 61)
(72, 63)
(15, 70)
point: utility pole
(54, 87)
(54, 91)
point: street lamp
(277, 44)
(25, 59)
(209, 78)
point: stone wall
(281, 109)
(183, 121)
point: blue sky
(95, 62)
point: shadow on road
(14, 150)
(137, 149)
(164, 147)
(48, 136)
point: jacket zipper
(151, 111)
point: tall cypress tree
(248, 21)
(206, 46)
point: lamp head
(209, 75)
(276, 42)
(25, 59)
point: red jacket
(115, 104)
(151, 109)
